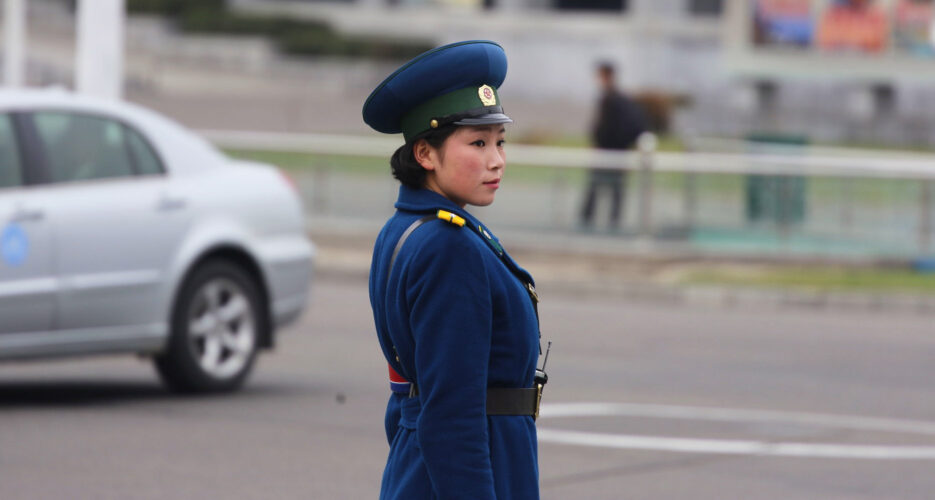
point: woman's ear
(425, 154)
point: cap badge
(487, 97)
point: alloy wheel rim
(221, 328)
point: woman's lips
(494, 183)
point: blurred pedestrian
(618, 123)
(455, 315)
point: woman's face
(468, 167)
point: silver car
(120, 231)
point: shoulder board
(451, 218)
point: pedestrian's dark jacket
(461, 322)
(620, 121)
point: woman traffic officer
(455, 315)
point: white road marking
(762, 448)
(741, 447)
(735, 415)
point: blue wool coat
(461, 321)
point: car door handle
(171, 203)
(28, 215)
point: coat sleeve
(451, 320)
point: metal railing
(865, 195)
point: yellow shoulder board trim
(450, 217)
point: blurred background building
(708, 67)
(702, 67)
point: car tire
(216, 323)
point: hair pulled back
(403, 163)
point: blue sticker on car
(14, 245)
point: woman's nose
(497, 159)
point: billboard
(853, 26)
(866, 39)
(902, 27)
(782, 23)
(912, 27)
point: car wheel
(216, 323)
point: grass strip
(833, 279)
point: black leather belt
(505, 401)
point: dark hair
(405, 168)
(606, 68)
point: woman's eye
(479, 143)
(500, 143)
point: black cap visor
(488, 119)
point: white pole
(14, 28)
(99, 65)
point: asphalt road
(689, 402)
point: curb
(629, 276)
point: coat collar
(428, 201)
(425, 201)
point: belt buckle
(535, 415)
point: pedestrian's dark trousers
(605, 179)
